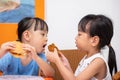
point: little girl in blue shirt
(32, 32)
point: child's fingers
(8, 45)
(55, 50)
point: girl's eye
(79, 34)
(43, 34)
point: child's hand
(52, 56)
(65, 61)
(55, 56)
(30, 50)
(6, 47)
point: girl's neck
(89, 54)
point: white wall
(63, 16)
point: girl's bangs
(40, 25)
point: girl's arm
(47, 70)
(65, 62)
(62, 65)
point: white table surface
(20, 77)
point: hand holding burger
(18, 51)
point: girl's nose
(46, 38)
(75, 37)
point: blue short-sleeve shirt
(10, 65)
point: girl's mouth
(44, 45)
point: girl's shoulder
(95, 57)
(97, 60)
(7, 56)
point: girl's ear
(95, 41)
(26, 35)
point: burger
(18, 51)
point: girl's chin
(76, 46)
(41, 51)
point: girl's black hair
(27, 22)
(101, 26)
